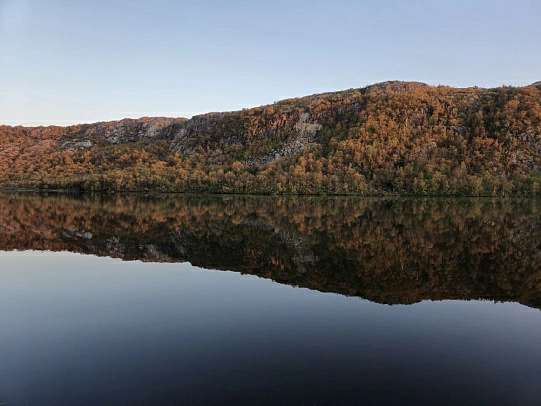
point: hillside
(388, 138)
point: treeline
(391, 138)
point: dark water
(377, 301)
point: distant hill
(388, 138)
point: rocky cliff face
(291, 124)
(83, 137)
(187, 134)
(203, 131)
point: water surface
(379, 301)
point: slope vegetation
(388, 138)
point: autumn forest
(392, 138)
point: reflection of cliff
(388, 251)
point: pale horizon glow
(66, 62)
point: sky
(64, 62)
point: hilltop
(391, 138)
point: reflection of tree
(389, 251)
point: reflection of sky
(87, 330)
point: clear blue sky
(70, 61)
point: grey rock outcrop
(120, 132)
(304, 133)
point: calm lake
(134, 300)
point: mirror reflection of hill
(395, 251)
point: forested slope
(390, 138)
